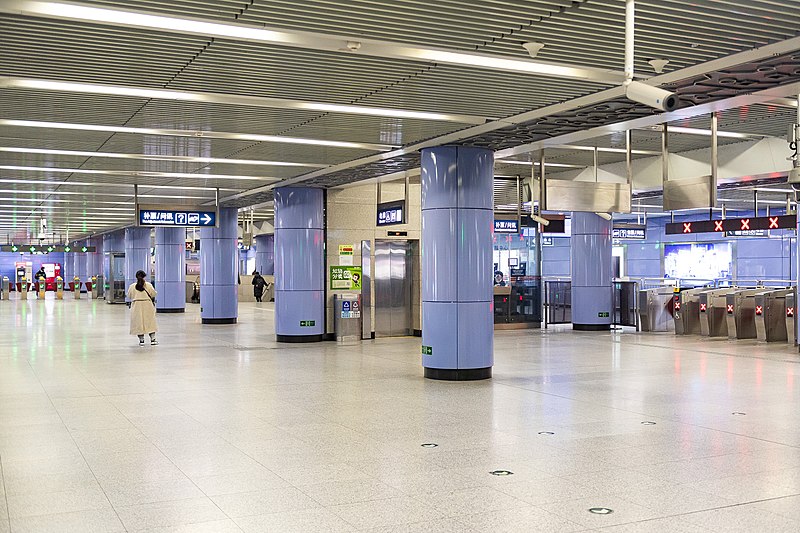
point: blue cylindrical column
(457, 222)
(219, 291)
(95, 260)
(592, 272)
(79, 261)
(171, 270)
(137, 253)
(299, 265)
(265, 254)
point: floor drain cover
(601, 510)
(429, 445)
(737, 413)
(501, 472)
(546, 433)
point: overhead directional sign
(149, 216)
(732, 224)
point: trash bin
(347, 318)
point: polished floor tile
(220, 429)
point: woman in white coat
(143, 309)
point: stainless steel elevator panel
(366, 290)
(393, 282)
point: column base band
(218, 321)
(299, 338)
(464, 374)
(591, 327)
(171, 310)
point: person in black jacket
(258, 285)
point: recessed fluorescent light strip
(200, 134)
(228, 99)
(159, 157)
(315, 41)
(138, 173)
(106, 184)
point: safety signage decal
(347, 278)
(308, 323)
(427, 350)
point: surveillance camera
(651, 96)
(540, 220)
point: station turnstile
(5, 289)
(713, 316)
(59, 288)
(655, 307)
(687, 311)
(771, 315)
(740, 310)
(791, 325)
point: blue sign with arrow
(169, 217)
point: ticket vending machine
(114, 275)
(59, 288)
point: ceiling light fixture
(308, 40)
(9, 82)
(137, 173)
(106, 184)
(202, 134)
(158, 157)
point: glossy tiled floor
(221, 430)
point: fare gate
(791, 325)
(740, 310)
(687, 311)
(557, 302)
(626, 304)
(656, 310)
(713, 316)
(771, 315)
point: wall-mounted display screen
(703, 261)
(390, 213)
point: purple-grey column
(457, 222)
(265, 254)
(95, 260)
(137, 253)
(592, 272)
(79, 264)
(171, 270)
(219, 291)
(299, 265)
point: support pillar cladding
(79, 263)
(219, 253)
(265, 254)
(171, 270)
(592, 272)
(137, 253)
(94, 265)
(457, 222)
(299, 264)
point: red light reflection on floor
(729, 374)
(759, 372)
(677, 364)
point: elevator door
(393, 280)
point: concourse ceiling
(74, 157)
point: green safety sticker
(308, 323)
(427, 350)
(603, 315)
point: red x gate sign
(718, 225)
(730, 309)
(687, 227)
(773, 223)
(703, 308)
(759, 310)
(745, 224)
(790, 312)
